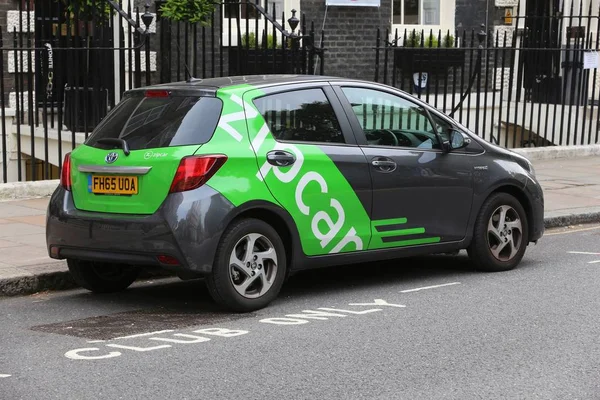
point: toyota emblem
(111, 157)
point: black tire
(485, 243)
(221, 282)
(102, 277)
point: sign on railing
(353, 3)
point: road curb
(62, 280)
(55, 280)
(571, 219)
(24, 285)
(27, 190)
(556, 152)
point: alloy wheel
(253, 265)
(505, 233)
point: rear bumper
(187, 226)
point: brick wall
(470, 14)
(350, 34)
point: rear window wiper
(114, 141)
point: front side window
(300, 115)
(416, 12)
(389, 120)
(243, 10)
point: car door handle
(384, 164)
(280, 158)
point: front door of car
(308, 157)
(421, 194)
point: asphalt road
(531, 333)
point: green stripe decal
(411, 242)
(393, 221)
(402, 232)
(378, 234)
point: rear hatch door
(128, 163)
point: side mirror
(457, 141)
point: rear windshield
(152, 122)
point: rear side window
(301, 115)
(153, 122)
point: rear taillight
(194, 171)
(65, 174)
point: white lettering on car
(308, 177)
(334, 228)
(288, 176)
(349, 238)
(324, 238)
(258, 141)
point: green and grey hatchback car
(243, 180)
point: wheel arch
(279, 219)
(521, 196)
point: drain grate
(106, 327)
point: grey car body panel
(187, 226)
(494, 168)
(424, 189)
(352, 163)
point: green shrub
(191, 11)
(414, 40)
(250, 41)
(448, 41)
(87, 9)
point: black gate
(521, 88)
(85, 54)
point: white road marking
(572, 231)
(4, 375)
(586, 253)
(143, 334)
(429, 287)
(96, 341)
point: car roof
(211, 85)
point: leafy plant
(191, 11)
(448, 41)
(250, 42)
(414, 40)
(88, 9)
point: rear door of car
(308, 157)
(159, 127)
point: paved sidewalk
(571, 187)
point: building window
(241, 8)
(416, 12)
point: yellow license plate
(114, 184)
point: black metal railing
(536, 85)
(72, 68)
(63, 78)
